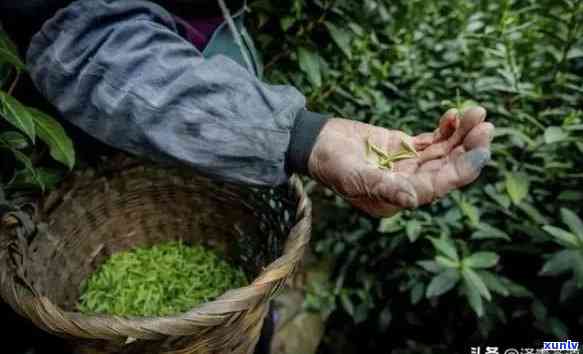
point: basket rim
(225, 309)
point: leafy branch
(25, 124)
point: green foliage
(9, 53)
(570, 258)
(17, 115)
(51, 132)
(29, 123)
(493, 250)
(163, 280)
(310, 63)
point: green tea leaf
(568, 289)
(430, 266)
(570, 196)
(578, 268)
(471, 212)
(532, 212)
(17, 115)
(574, 222)
(413, 230)
(341, 37)
(30, 171)
(417, 293)
(486, 231)
(559, 263)
(310, 64)
(390, 224)
(442, 283)
(517, 187)
(13, 140)
(555, 134)
(53, 134)
(562, 237)
(575, 53)
(43, 177)
(9, 52)
(287, 22)
(482, 260)
(445, 246)
(493, 282)
(474, 298)
(446, 262)
(347, 304)
(385, 318)
(162, 280)
(516, 289)
(558, 328)
(520, 136)
(474, 279)
(499, 197)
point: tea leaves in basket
(159, 281)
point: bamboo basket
(45, 257)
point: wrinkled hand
(449, 158)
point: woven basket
(94, 215)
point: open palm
(449, 158)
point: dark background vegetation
(499, 263)
(394, 63)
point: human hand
(449, 158)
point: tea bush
(21, 127)
(498, 263)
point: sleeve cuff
(305, 131)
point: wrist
(304, 135)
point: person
(174, 81)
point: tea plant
(400, 64)
(21, 125)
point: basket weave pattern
(94, 215)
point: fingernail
(477, 111)
(478, 158)
(406, 200)
(490, 132)
(452, 112)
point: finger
(480, 136)
(435, 165)
(422, 141)
(448, 124)
(461, 171)
(472, 117)
(432, 181)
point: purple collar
(199, 31)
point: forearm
(121, 72)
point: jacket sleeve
(120, 71)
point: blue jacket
(121, 71)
